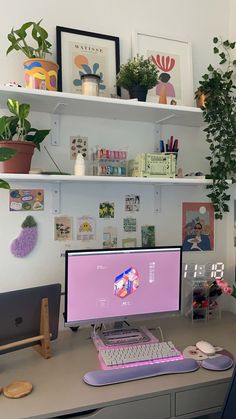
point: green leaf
(6, 153)
(215, 40)
(4, 185)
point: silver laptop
(20, 313)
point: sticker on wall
(27, 239)
(78, 145)
(129, 224)
(129, 242)
(148, 236)
(109, 237)
(106, 210)
(85, 228)
(132, 202)
(26, 199)
(197, 226)
(63, 228)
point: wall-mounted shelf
(102, 107)
(102, 179)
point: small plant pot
(21, 162)
(201, 99)
(41, 74)
(139, 92)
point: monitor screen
(116, 284)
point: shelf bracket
(56, 198)
(157, 198)
(158, 137)
(165, 118)
(55, 123)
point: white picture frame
(178, 66)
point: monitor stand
(123, 336)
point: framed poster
(173, 59)
(81, 52)
(198, 226)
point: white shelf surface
(10, 177)
(102, 107)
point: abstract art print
(173, 59)
(80, 52)
(197, 226)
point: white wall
(197, 22)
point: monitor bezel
(128, 318)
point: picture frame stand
(44, 348)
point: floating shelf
(102, 107)
(102, 179)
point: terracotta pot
(41, 74)
(21, 162)
(201, 99)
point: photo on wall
(197, 226)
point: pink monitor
(109, 285)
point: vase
(41, 74)
(138, 92)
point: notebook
(20, 313)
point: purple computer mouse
(218, 363)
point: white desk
(60, 390)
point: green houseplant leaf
(219, 113)
(18, 40)
(17, 127)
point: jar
(90, 84)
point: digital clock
(203, 271)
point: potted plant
(17, 134)
(40, 73)
(219, 111)
(137, 76)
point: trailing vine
(219, 113)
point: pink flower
(227, 290)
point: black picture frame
(89, 46)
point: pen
(162, 147)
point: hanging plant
(219, 113)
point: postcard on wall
(109, 237)
(197, 226)
(132, 202)
(78, 145)
(129, 224)
(129, 242)
(148, 236)
(26, 200)
(106, 210)
(85, 228)
(63, 228)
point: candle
(90, 84)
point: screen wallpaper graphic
(126, 283)
(102, 285)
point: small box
(107, 162)
(153, 165)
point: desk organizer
(153, 165)
(201, 299)
(107, 162)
